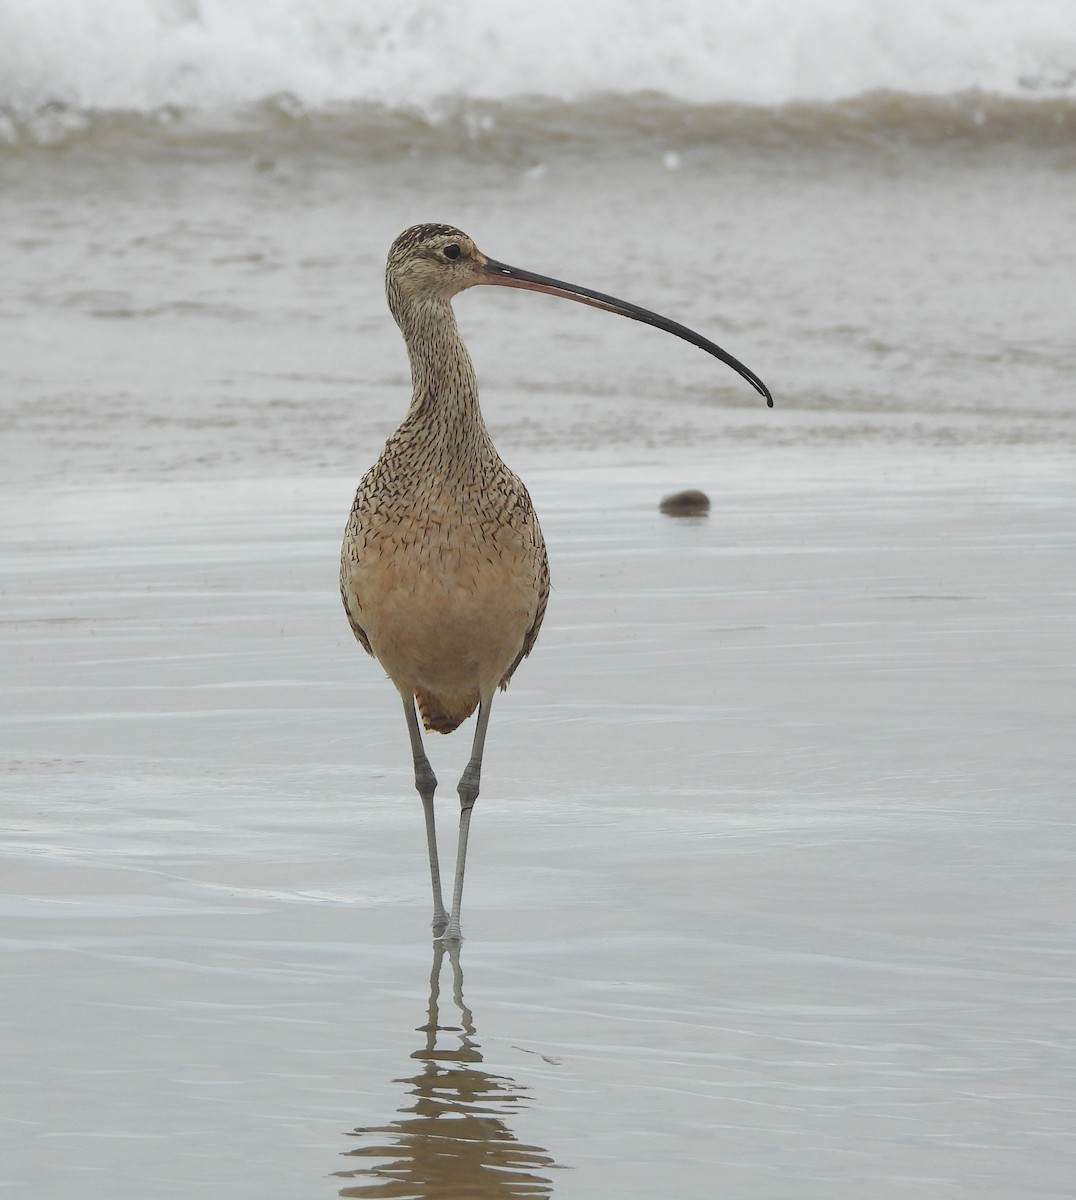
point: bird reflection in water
(451, 1138)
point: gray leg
(468, 790)
(425, 785)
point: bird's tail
(439, 717)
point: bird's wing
(536, 624)
(356, 628)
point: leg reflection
(451, 1138)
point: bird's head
(428, 262)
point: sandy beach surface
(770, 892)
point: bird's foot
(439, 923)
(451, 933)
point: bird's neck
(444, 405)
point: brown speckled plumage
(444, 574)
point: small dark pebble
(691, 503)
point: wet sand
(770, 889)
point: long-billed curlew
(444, 573)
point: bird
(444, 574)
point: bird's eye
(451, 251)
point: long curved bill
(502, 275)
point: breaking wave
(381, 70)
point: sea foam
(212, 55)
